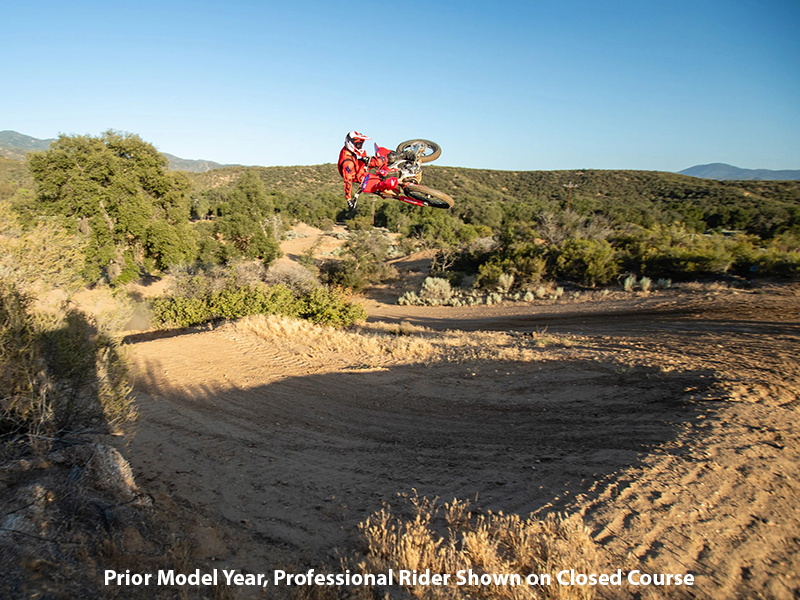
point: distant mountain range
(725, 172)
(16, 145)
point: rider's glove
(364, 159)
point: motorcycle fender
(390, 183)
(380, 151)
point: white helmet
(354, 141)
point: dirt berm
(668, 421)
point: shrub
(409, 299)
(331, 306)
(504, 283)
(179, 311)
(484, 543)
(321, 305)
(344, 273)
(436, 290)
(363, 263)
(56, 372)
(629, 283)
(646, 283)
(672, 251)
(489, 275)
(768, 262)
(296, 277)
(588, 261)
(43, 257)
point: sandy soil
(669, 421)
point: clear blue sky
(499, 84)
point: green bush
(344, 273)
(587, 261)
(768, 262)
(331, 306)
(320, 305)
(179, 311)
(364, 262)
(489, 275)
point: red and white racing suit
(353, 170)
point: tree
(246, 221)
(115, 189)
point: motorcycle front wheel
(425, 150)
(429, 196)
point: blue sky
(499, 84)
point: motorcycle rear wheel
(429, 196)
(427, 151)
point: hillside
(191, 166)
(490, 198)
(15, 145)
(722, 171)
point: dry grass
(56, 374)
(377, 344)
(486, 544)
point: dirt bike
(400, 179)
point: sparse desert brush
(435, 289)
(296, 277)
(494, 543)
(40, 258)
(364, 342)
(384, 343)
(56, 372)
(629, 283)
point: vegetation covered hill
(15, 145)
(587, 226)
(494, 198)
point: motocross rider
(354, 163)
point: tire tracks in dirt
(672, 429)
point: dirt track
(669, 421)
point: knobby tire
(435, 150)
(429, 196)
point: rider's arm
(377, 161)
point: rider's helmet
(354, 142)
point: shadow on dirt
(297, 464)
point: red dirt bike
(400, 180)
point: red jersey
(354, 170)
